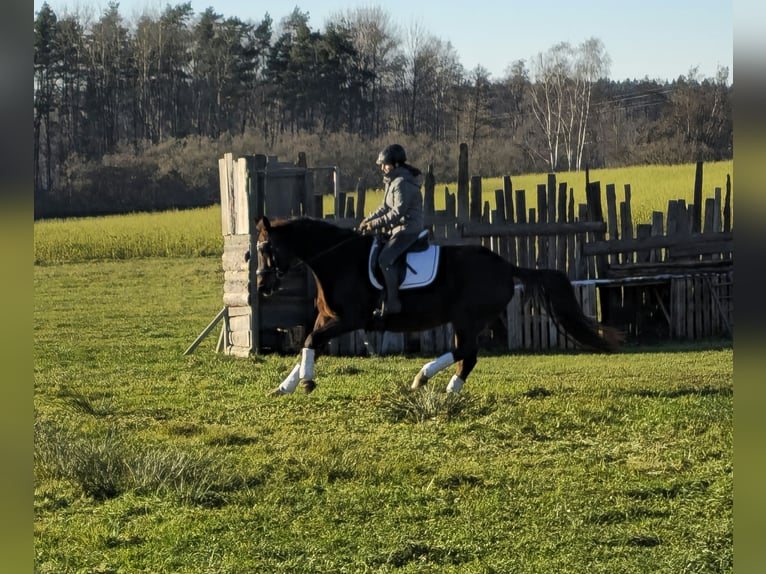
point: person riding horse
(400, 215)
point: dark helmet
(392, 155)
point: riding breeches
(395, 247)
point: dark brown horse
(471, 288)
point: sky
(654, 39)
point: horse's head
(273, 260)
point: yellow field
(651, 186)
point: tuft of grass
(108, 465)
(424, 404)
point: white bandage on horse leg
(307, 364)
(433, 367)
(292, 380)
(455, 384)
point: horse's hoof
(277, 392)
(420, 381)
(308, 386)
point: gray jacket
(402, 207)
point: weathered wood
(205, 331)
(475, 208)
(667, 267)
(697, 221)
(604, 247)
(429, 186)
(529, 229)
(463, 201)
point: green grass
(198, 231)
(147, 460)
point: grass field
(147, 460)
(198, 231)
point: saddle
(420, 268)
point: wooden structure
(251, 187)
(673, 278)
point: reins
(303, 262)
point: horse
(472, 286)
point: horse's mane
(310, 225)
(309, 229)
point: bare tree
(591, 63)
(375, 39)
(551, 72)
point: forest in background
(132, 115)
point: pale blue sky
(658, 39)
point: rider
(400, 215)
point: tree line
(133, 115)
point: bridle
(267, 260)
(268, 257)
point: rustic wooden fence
(672, 278)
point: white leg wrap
(307, 365)
(455, 384)
(291, 382)
(433, 367)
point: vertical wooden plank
(462, 184)
(595, 213)
(563, 240)
(690, 308)
(531, 245)
(349, 213)
(697, 221)
(513, 313)
(672, 217)
(551, 240)
(475, 207)
(643, 231)
(586, 266)
(500, 243)
(675, 305)
(227, 193)
(510, 218)
(521, 212)
(361, 199)
(717, 222)
(542, 216)
(611, 219)
(429, 189)
(707, 306)
(682, 216)
(572, 243)
(657, 231)
(727, 205)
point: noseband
(265, 253)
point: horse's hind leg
(466, 356)
(463, 353)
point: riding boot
(392, 305)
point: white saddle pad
(421, 268)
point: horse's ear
(266, 223)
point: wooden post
(429, 186)
(475, 208)
(697, 221)
(462, 184)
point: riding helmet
(392, 155)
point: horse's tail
(553, 289)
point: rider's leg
(387, 262)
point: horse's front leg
(325, 328)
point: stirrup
(382, 312)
